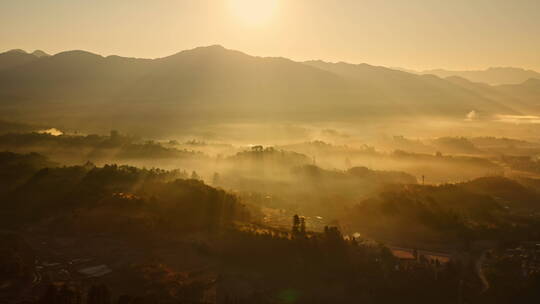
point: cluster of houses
(72, 270)
(527, 255)
(414, 258)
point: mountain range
(492, 76)
(213, 82)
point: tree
(64, 295)
(258, 148)
(50, 296)
(296, 224)
(194, 175)
(114, 135)
(68, 295)
(98, 294)
(303, 226)
(215, 179)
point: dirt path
(480, 271)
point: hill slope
(493, 76)
(214, 83)
(417, 93)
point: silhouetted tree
(69, 295)
(257, 148)
(98, 294)
(296, 224)
(50, 296)
(303, 225)
(215, 179)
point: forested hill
(112, 199)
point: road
(480, 271)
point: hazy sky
(419, 34)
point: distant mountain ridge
(418, 92)
(493, 75)
(40, 53)
(214, 82)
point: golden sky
(416, 34)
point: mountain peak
(77, 53)
(209, 48)
(40, 53)
(19, 51)
(213, 47)
(212, 51)
(492, 75)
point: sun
(254, 12)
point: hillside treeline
(110, 197)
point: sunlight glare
(254, 12)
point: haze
(416, 34)
(269, 152)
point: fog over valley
(269, 152)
